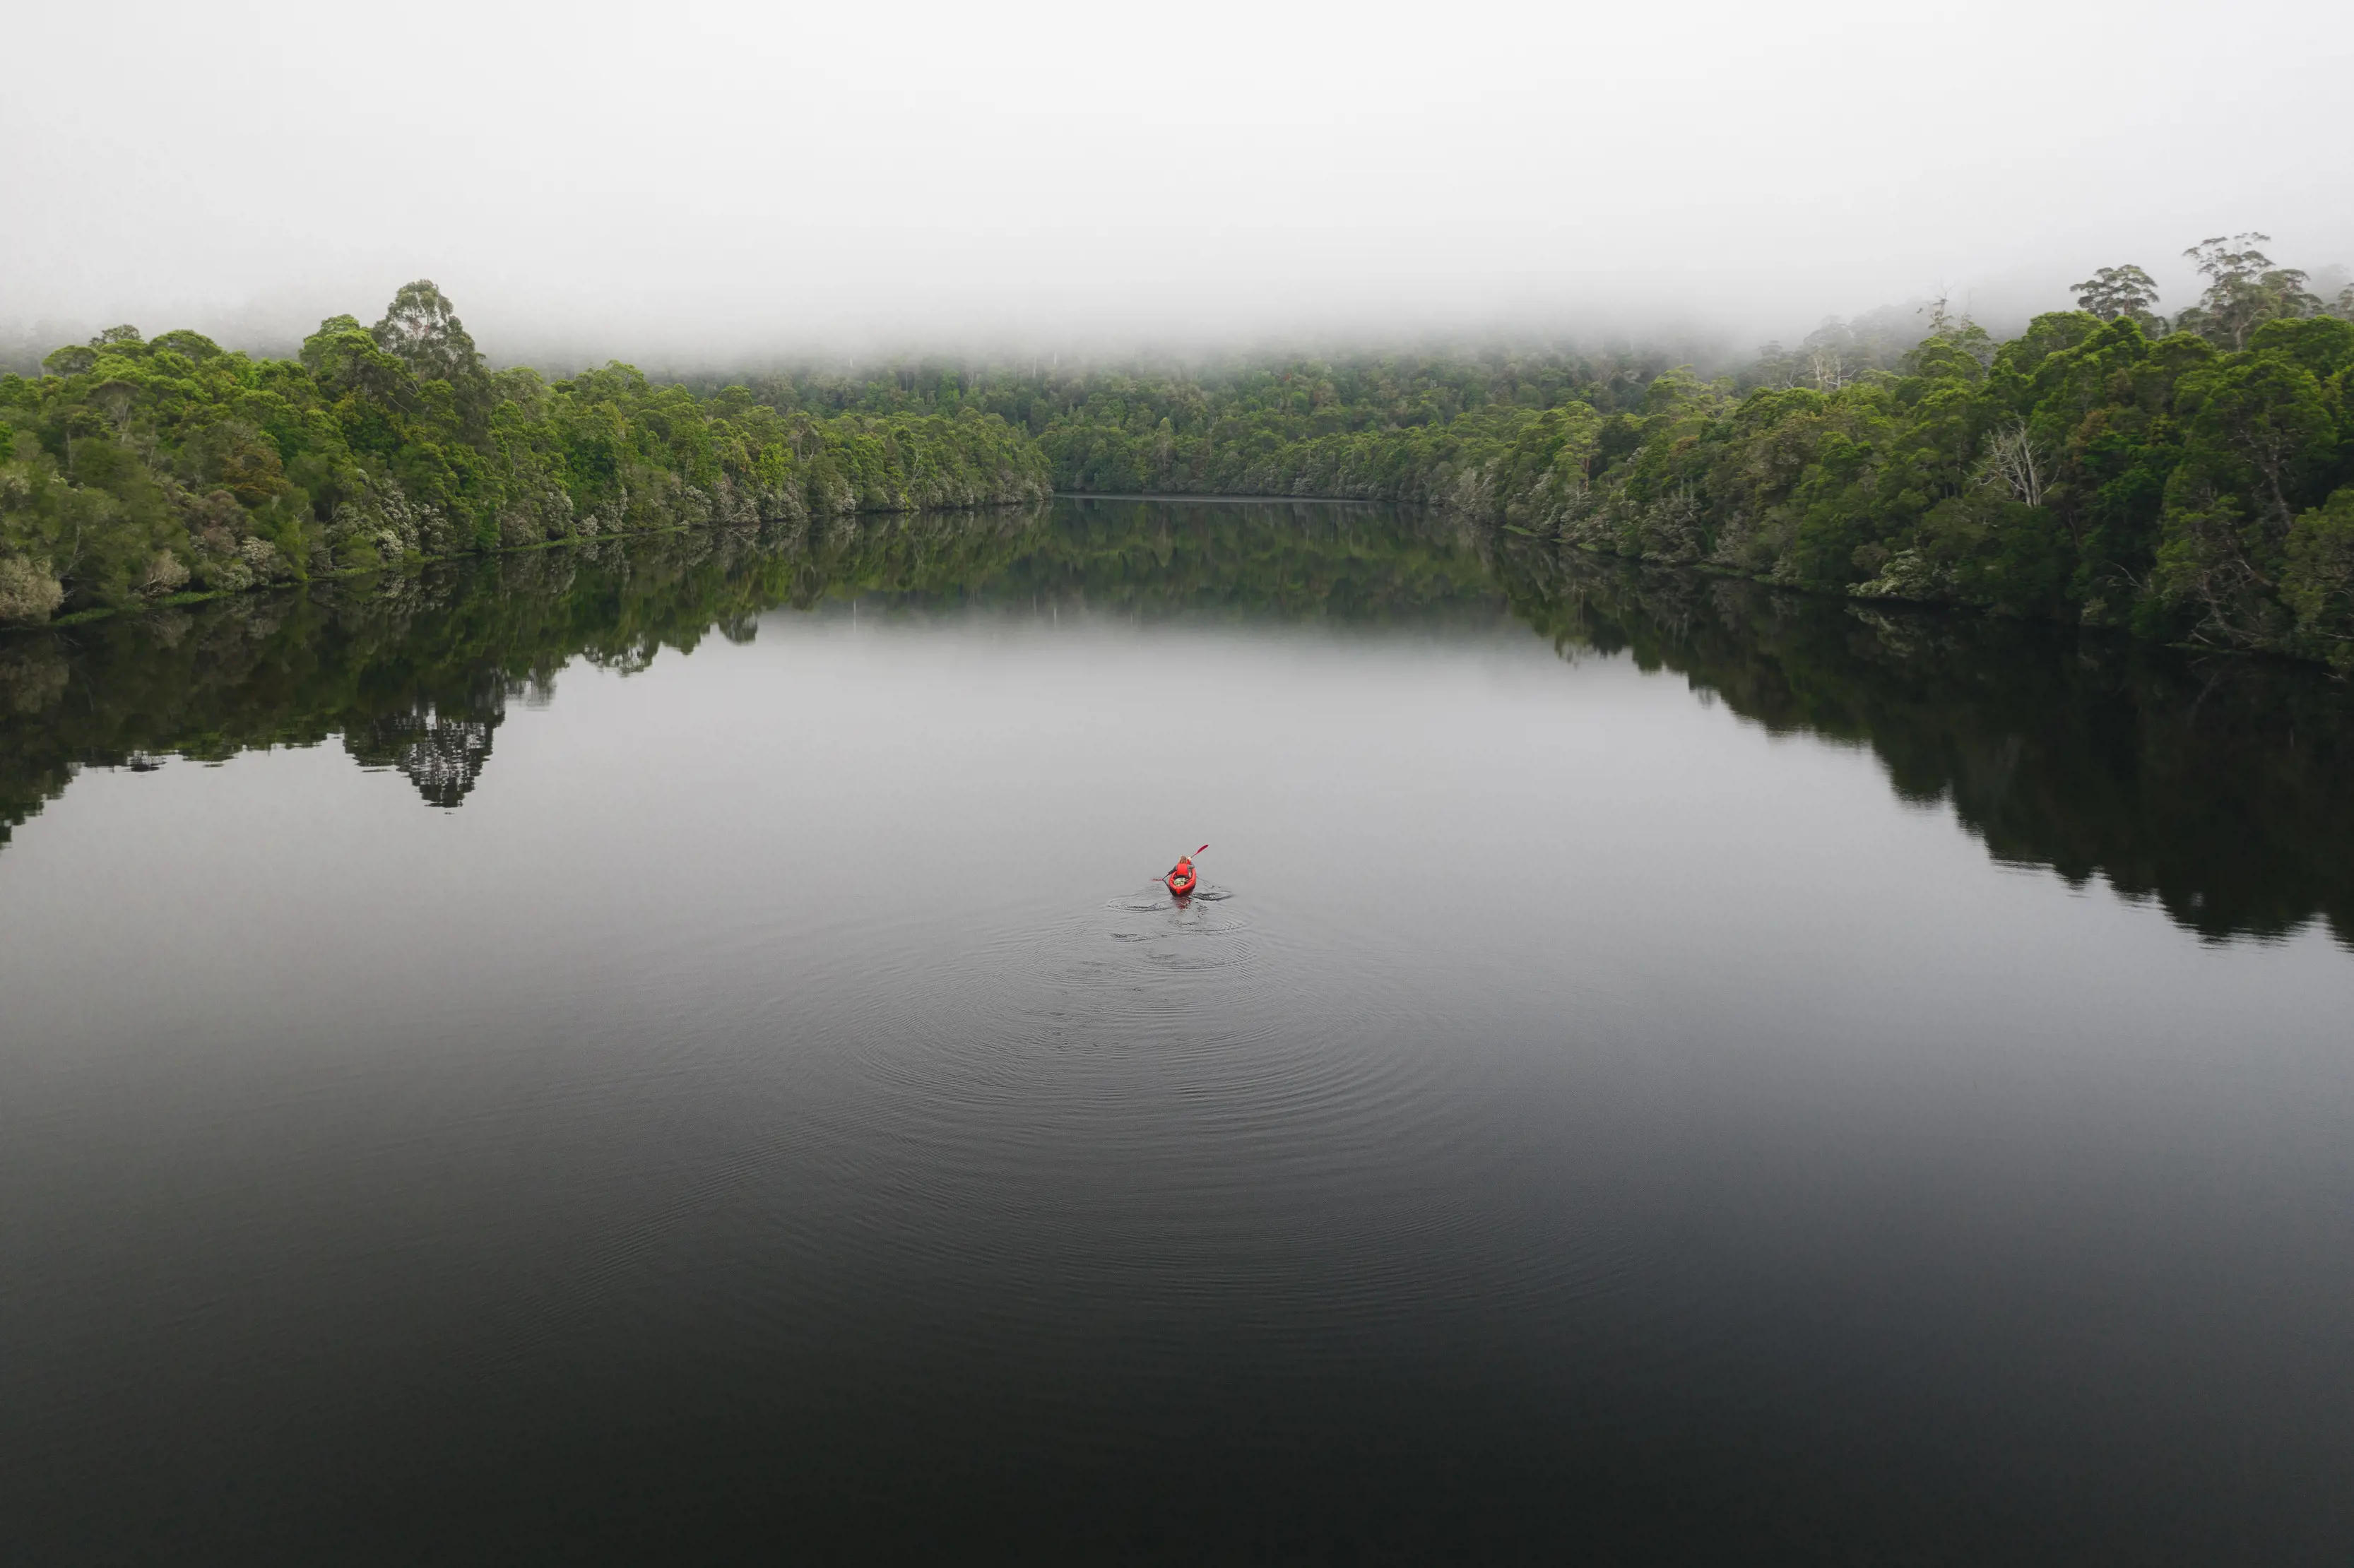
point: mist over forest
(728, 188)
(1715, 289)
(2185, 477)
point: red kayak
(1183, 878)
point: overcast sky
(686, 182)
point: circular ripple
(1149, 1100)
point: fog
(716, 182)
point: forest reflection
(2216, 788)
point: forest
(146, 470)
(2190, 479)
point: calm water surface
(675, 1051)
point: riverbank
(2193, 487)
(2087, 472)
(136, 471)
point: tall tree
(2119, 292)
(2244, 290)
(421, 327)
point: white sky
(699, 181)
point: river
(676, 1049)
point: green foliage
(1375, 427)
(2319, 582)
(2098, 467)
(2115, 291)
(2243, 289)
(134, 470)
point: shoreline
(2122, 634)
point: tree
(117, 398)
(2014, 460)
(2243, 289)
(2264, 427)
(191, 344)
(421, 328)
(344, 357)
(2319, 582)
(1827, 361)
(2114, 292)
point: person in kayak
(1180, 878)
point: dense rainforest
(146, 469)
(2190, 479)
(2097, 756)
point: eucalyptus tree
(2244, 290)
(2119, 292)
(421, 328)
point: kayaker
(1181, 877)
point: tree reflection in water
(2218, 787)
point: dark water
(675, 1051)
